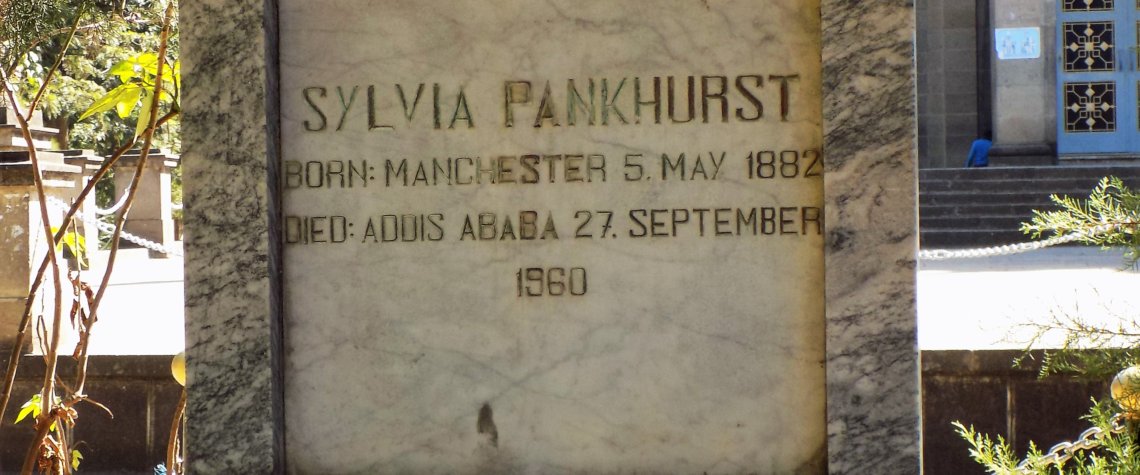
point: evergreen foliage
(1107, 218)
(1117, 452)
(1088, 349)
(1111, 203)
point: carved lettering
(591, 101)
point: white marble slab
(697, 343)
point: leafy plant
(34, 54)
(1107, 218)
(32, 40)
(30, 408)
(33, 408)
(1107, 448)
(75, 243)
(137, 75)
(995, 454)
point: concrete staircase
(973, 207)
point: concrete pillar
(1025, 90)
(22, 240)
(150, 215)
(11, 139)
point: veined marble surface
(235, 425)
(693, 350)
(233, 409)
(871, 194)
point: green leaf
(144, 114)
(34, 408)
(75, 242)
(167, 75)
(58, 245)
(133, 68)
(125, 70)
(75, 458)
(30, 408)
(128, 102)
(148, 62)
(78, 245)
(125, 92)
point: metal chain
(944, 254)
(1062, 452)
(108, 228)
(113, 209)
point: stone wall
(139, 390)
(946, 51)
(980, 388)
(964, 90)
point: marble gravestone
(550, 237)
(534, 237)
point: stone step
(1078, 186)
(1030, 198)
(1023, 210)
(1128, 173)
(969, 238)
(1011, 223)
(981, 207)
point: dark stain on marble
(486, 424)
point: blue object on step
(979, 153)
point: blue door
(1097, 78)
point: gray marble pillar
(234, 418)
(870, 193)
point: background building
(1056, 81)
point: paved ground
(989, 303)
(1001, 302)
(141, 313)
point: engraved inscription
(551, 105)
(604, 101)
(551, 282)
(760, 167)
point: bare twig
(25, 321)
(64, 415)
(86, 322)
(148, 139)
(50, 411)
(49, 376)
(38, 180)
(174, 443)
